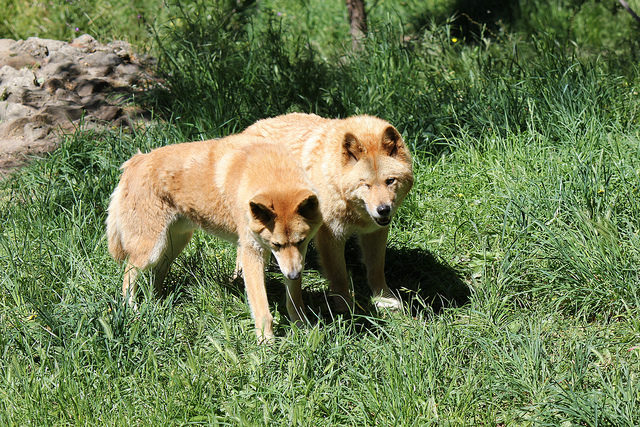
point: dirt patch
(48, 87)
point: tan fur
(239, 188)
(361, 168)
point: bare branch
(628, 9)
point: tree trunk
(358, 21)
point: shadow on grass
(473, 18)
(424, 281)
(425, 284)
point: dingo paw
(341, 305)
(387, 303)
(265, 339)
(299, 323)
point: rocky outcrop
(48, 87)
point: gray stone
(87, 87)
(12, 110)
(34, 98)
(108, 113)
(10, 77)
(39, 47)
(121, 48)
(17, 60)
(52, 85)
(7, 45)
(48, 86)
(33, 131)
(102, 59)
(65, 70)
(63, 113)
(85, 42)
(13, 128)
(100, 71)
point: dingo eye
(299, 242)
(277, 246)
(390, 181)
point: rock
(48, 86)
(12, 110)
(129, 74)
(35, 130)
(59, 57)
(87, 87)
(102, 59)
(12, 78)
(85, 42)
(7, 45)
(17, 60)
(108, 113)
(63, 113)
(67, 71)
(34, 98)
(93, 102)
(38, 47)
(52, 85)
(14, 128)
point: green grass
(67, 19)
(517, 252)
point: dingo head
(285, 223)
(377, 171)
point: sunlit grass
(517, 251)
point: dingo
(362, 171)
(250, 193)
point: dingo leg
(177, 240)
(154, 252)
(373, 247)
(253, 272)
(335, 268)
(295, 306)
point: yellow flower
(454, 39)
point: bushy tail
(114, 236)
(113, 233)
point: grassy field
(517, 252)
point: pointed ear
(260, 211)
(391, 141)
(352, 149)
(309, 208)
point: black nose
(384, 210)
(294, 275)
